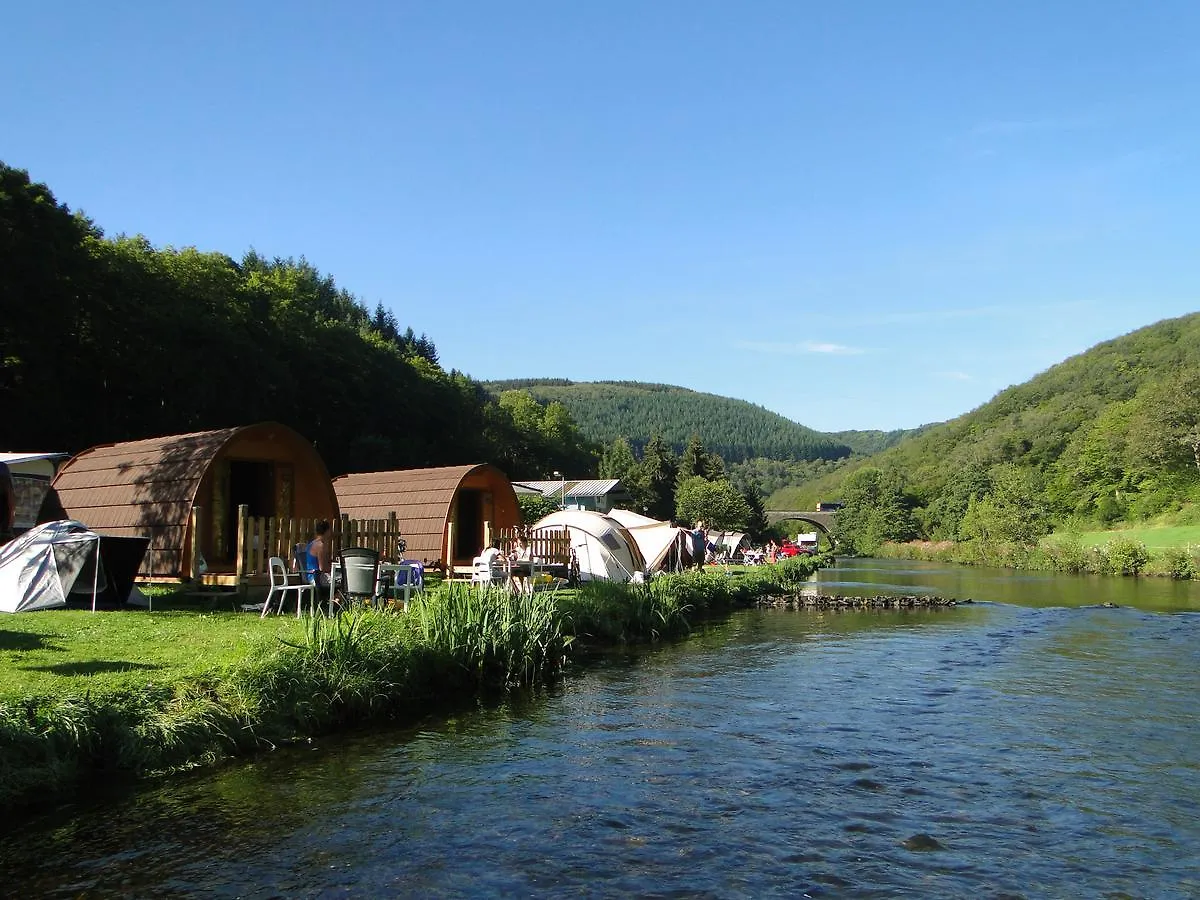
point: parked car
(787, 549)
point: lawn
(74, 652)
(1155, 538)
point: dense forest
(109, 339)
(734, 429)
(1109, 435)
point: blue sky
(859, 214)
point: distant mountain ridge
(736, 429)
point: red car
(786, 549)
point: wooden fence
(551, 546)
(261, 537)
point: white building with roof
(595, 495)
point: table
(413, 573)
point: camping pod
(150, 488)
(443, 513)
(605, 549)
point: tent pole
(96, 575)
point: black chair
(357, 571)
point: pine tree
(658, 470)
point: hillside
(1112, 434)
(737, 430)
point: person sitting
(319, 560)
(520, 569)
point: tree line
(110, 339)
(735, 429)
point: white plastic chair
(485, 572)
(281, 585)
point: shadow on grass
(92, 667)
(20, 640)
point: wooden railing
(547, 545)
(261, 537)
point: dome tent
(665, 547)
(603, 546)
(51, 564)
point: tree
(1166, 427)
(535, 507)
(657, 475)
(757, 526)
(1011, 512)
(718, 503)
(877, 509)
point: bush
(1174, 562)
(1066, 554)
(1125, 556)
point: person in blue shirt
(319, 558)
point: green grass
(71, 652)
(1155, 538)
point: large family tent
(664, 547)
(65, 561)
(603, 546)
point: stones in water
(922, 843)
(826, 601)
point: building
(595, 495)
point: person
(699, 544)
(319, 561)
(8, 504)
(519, 570)
(772, 550)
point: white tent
(604, 548)
(664, 546)
(729, 541)
(53, 563)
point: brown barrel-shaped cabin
(149, 488)
(441, 511)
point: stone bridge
(824, 520)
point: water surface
(991, 749)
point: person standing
(699, 544)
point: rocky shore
(826, 601)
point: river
(1034, 743)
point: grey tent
(66, 562)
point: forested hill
(111, 339)
(735, 429)
(1110, 434)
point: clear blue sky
(857, 214)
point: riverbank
(1058, 553)
(212, 686)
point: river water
(1033, 743)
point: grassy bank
(1119, 554)
(138, 693)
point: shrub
(1125, 556)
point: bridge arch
(823, 521)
